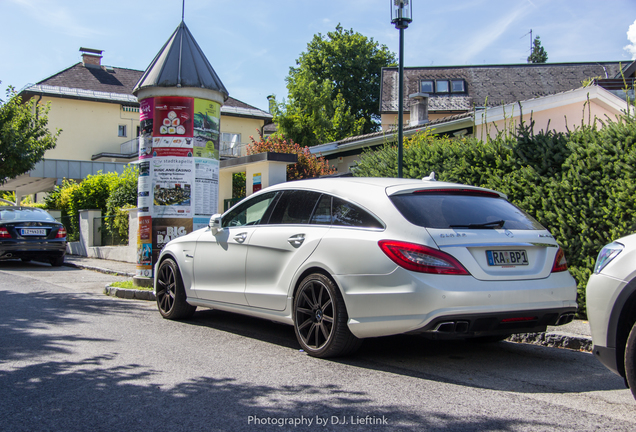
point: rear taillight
(421, 259)
(61, 233)
(4, 233)
(560, 263)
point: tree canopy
(539, 54)
(334, 91)
(24, 137)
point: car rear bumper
(33, 250)
(404, 302)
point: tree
(308, 165)
(334, 90)
(24, 137)
(538, 55)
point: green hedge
(107, 192)
(580, 185)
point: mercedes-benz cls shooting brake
(345, 259)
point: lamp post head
(401, 13)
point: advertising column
(178, 172)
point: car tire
(320, 319)
(630, 361)
(57, 262)
(171, 297)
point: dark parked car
(31, 234)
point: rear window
(456, 210)
(33, 215)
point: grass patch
(128, 284)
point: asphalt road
(73, 359)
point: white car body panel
(257, 274)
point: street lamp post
(401, 16)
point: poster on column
(166, 229)
(206, 128)
(206, 192)
(144, 247)
(172, 184)
(144, 189)
(146, 114)
(172, 116)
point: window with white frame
(122, 131)
(230, 144)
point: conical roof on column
(181, 63)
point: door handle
(240, 238)
(296, 240)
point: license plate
(33, 232)
(507, 257)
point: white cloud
(631, 36)
(488, 35)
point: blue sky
(252, 43)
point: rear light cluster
(61, 233)
(421, 259)
(4, 234)
(560, 263)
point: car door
(278, 248)
(219, 259)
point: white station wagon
(345, 259)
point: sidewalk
(575, 335)
(118, 268)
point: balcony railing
(130, 146)
(229, 149)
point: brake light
(422, 259)
(61, 233)
(560, 263)
(4, 233)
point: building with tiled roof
(98, 114)
(483, 100)
(458, 89)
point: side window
(294, 207)
(322, 214)
(346, 214)
(250, 212)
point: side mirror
(215, 223)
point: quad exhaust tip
(452, 327)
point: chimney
(91, 57)
(418, 109)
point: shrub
(579, 184)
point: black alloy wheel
(320, 319)
(171, 297)
(630, 361)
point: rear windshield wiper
(493, 224)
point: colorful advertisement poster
(166, 229)
(172, 116)
(179, 142)
(256, 182)
(207, 122)
(206, 190)
(144, 247)
(172, 187)
(146, 116)
(145, 146)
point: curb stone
(99, 269)
(556, 340)
(131, 294)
